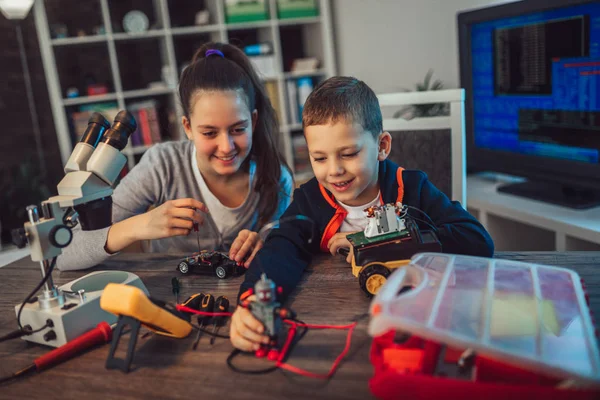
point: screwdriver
(221, 305)
(195, 226)
(175, 286)
(207, 305)
(102, 333)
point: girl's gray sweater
(164, 173)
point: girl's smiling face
(221, 126)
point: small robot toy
(267, 310)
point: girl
(229, 178)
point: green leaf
(427, 79)
(437, 85)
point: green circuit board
(359, 239)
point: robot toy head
(265, 289)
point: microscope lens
(123, 126)
(97, 125)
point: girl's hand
(339, 241)
(246, 332)
(172, 218)
(245, 247)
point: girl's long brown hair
(234, 71)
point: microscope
(84, 197)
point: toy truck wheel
(221, 272)
(372, 277)
(184, 267)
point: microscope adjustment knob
(60, 236)
(19, 237)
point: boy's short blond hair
(343, 98)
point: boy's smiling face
(345, 157)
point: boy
(348, 149)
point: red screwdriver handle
(102, 333)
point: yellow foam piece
(516, 315)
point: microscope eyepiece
(118, 135)
(97, 125)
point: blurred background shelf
(78, 40)
(95, 61)
(89, 99)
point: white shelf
(139, 36)
(294, 127)
(190, 30)
(147, 92)
(517, 221)
(89, 99)
(78, 40)
(11, 253)
(298, 74)
(250, 25)
(318, 42)
(298, 21)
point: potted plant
(424, 110)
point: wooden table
(169, 368)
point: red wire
(290, 337)
(193, 311)
(335, 364)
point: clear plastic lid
(524, 314)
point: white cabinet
(519, 224)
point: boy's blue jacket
(289, 248)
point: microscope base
(75, 316)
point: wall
(20, 182)
(391, 44)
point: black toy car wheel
(372, 277)
(184, 267)
(221, 272)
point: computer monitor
(531, 72)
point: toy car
(387, 243)
(221, 265)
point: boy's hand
(339, 241)
(172, 218)
(247, 242)
(246, 332)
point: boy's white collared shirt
(356, 220)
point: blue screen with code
(536, 83)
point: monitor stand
(554, 193)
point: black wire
(29, 332)
(17, 374)
(12, 335)
(210, 333)
(426, 223)
(236, 352)
(424, 214)
(26, 331)
(34, 291)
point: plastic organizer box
(524, 329)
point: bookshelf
(133, 70)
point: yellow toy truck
(390, 239)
